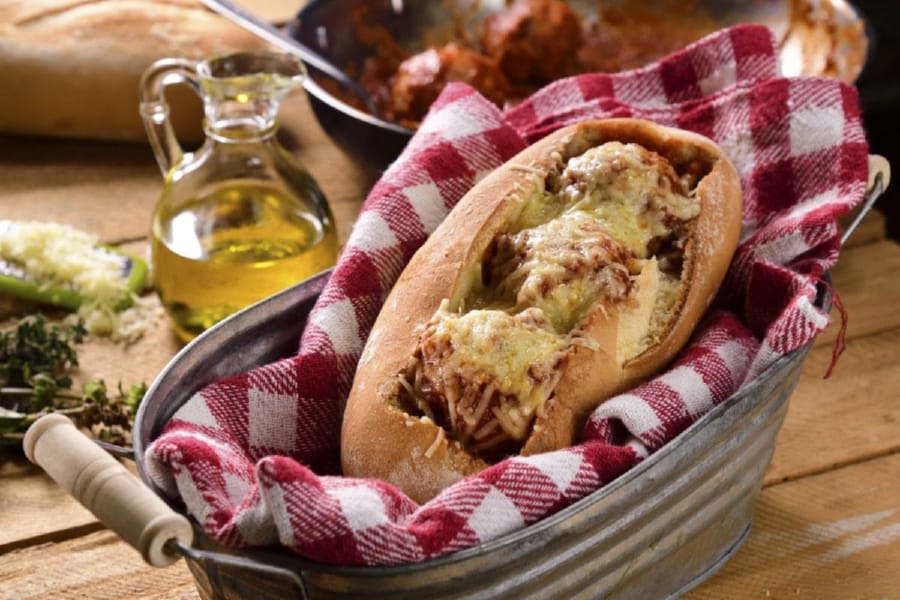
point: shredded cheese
(406, 385)
(528, 169)
(55, 255)
(487, 428)
(436, 443)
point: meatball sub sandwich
(571, 273)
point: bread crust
(74, 65)
(412, 452)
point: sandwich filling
(608, 228)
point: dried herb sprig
(37, 360)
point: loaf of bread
(569, 274)
(70, 68)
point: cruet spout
(241, 94)
(243, 91)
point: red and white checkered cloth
(256, 457)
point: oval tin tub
(658, 530)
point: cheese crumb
(55, 255)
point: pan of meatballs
(403, 52)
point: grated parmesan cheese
(436, 443)
(52, 255)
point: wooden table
(827, 525)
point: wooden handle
(878, 165)
(106, 488)
(879, 179)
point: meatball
(534, 41)
(420, 79)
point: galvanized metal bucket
(654, 532)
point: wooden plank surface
(96, 566)
(110, 190)
(854, 414)
(834, 535)
(33, 509)
(867, 279)
(850, 417)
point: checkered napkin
(255, 457)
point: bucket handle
(90, 474)
(106, 488)
(879, 179)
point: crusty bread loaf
(547, 272)
(70, 68)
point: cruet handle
(155, 109)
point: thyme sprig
(37, 360)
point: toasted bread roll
(71, 68)
(574, 271)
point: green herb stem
(25, 391)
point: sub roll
(571, 273)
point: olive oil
(216, 254)
(239, 218)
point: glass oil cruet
(239, 218)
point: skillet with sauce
(518, 50)
(509, 54)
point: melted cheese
(490, 352)
(540, 207)
(563, 267)
(630, 190)
(634, 333)
(489, 367)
